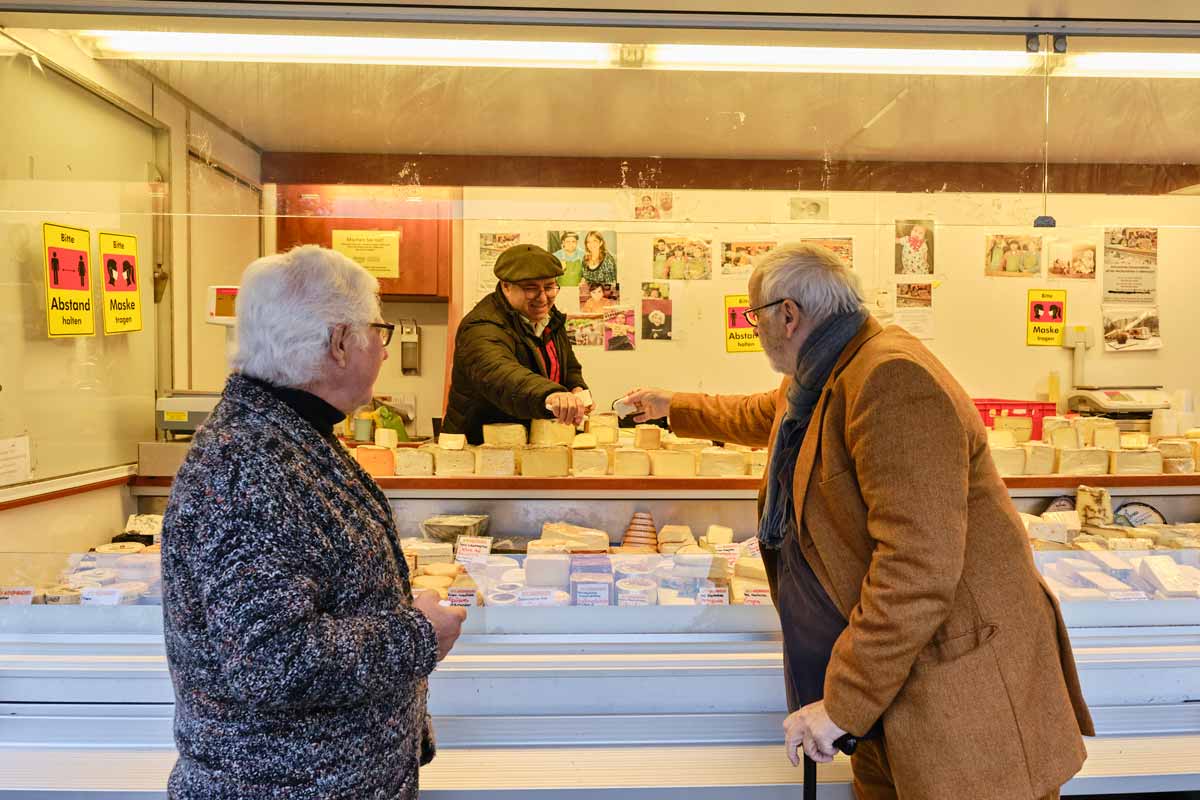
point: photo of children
(656, 311)
(585, 330)
(1012, 256)
(567, 247)
(1075, 260)
(843, 246)
(598, 296)
(914, 247)
(656, 291)
(737, 258)
(619, 333)
(808, 207)
(678, 258)
(653, 204)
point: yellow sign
(175, 416)
(740, 336)
(66, 253)
(377, 251)
(1046, 317)
(120, 291)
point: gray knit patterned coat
(298, 661)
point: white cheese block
(673, 442)
(1175, 448)
(412, 462)
(549, 431)
(452, 441)
(589, 462)
(584, 441)
(1135, 462)
(647, 437)
(1039, 458)
(387, 437)
(1108, 437)
(1009, 460)
(1020, 427)
(672, 464)
(1179, 466)
(1103, 581)
(1051, 424)
(550, 461)
(718, 534)
(1087, 427)
(676, 533)
(542, 546)
(453, 462)
(1094, 506)
(1049, 531)
(495, 461)
(606, 435)
(750, 567)
(738, 587)
(427, 552)
(1164, 574)
(758, 463)
(630, 462)
(575, 537)
(1129, 544)
(1135, 441)
(603, 419)
(548, 570)
(719, 462)
(508, 434)
(1081, 461)
(1001, 438)
(1068, 518)
(1064, 438)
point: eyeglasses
(386, 329)
(532, 292)
(751, 314)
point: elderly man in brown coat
(911, 609)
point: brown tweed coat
(953, 639)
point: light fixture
(839, 60)
(1129, 65)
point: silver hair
(288, 304)
(812, 276)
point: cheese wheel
(434, 582)
(442, 570)
(120, 548)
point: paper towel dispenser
(409, 333)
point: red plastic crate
(990, 408)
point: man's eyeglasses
(386, 329)
(532, 292)
(751, 314)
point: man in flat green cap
(512, 358)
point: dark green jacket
(499, 371)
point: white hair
(812, 276)
(287, 306)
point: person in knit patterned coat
(298, 653)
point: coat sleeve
(487, 354)
(573, 374)
(261, 597)
(913, 478)
(742, 419)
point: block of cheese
(1064, 438)
(589, 462)
(1068, 518)
(606, 435)
(718, 461)
(718, 534)
(548, 570)
(1087, 428)
(495, 461)
(1048, 531)
(1192, 433)
(377, 461)
(1135, 441)
(1009, 460)
(576, 537)
(1129, 544)
(1020, 427)
(738, 587)
(1175, 448)
(1001, 438)
(673, 442)
(631, 462)
(1108, 437)
(647, 437)
(548, 461)
(508, 434)
(672, 464)
(386, 437)
(549, 431)
(1080, 461)
(1164, 574)
(1039, 458)
(750, 567)
(1102, 581)
(1135, 462)
(1195, 449)
(676, 533)
(1179, 466)
(453, 462)
(428, 552)
(1094, 506)
(603, 419)
(1051, 424)
(758, 463)
(584, 441)
(452, 441)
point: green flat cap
(527, 262)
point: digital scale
(181, 413)
(1133, 405)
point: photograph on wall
(1128, 327)
(914, 308)
(567, 247)
(1012, 256)
(585, 330)
(598, 263)
(619, 331)
(914, 247)
(1131, 265)
(737, 258)
(656, 319)
(801, 207)
(598, 296)
(1072, 260)
(491, 245)
(679, 258)
(653, 204)
(842, 246)
(656, 291)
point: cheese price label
(16, 595)
(535, 597)
(740, 335)
(713, 597)
(592, 594)
(463, 597)
(757, 597)
(730, 552)
(1128, 595)
(472, 550)
(120, 284)
(66, 255)
(1046, 317)
(100, 597)
(750, 548)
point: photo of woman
(599, 265)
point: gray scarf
(816, 360)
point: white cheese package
(721, 462)
(1081, 461)
(1165, 575)
(1135, 462)
(1009, 460)
(1039, 458)
(413, 463)
(548, 570)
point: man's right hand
(446, 620)
(567, 407)
(650, 403)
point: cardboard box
(161, 459)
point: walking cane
(845, 743)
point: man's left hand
(812, 729)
